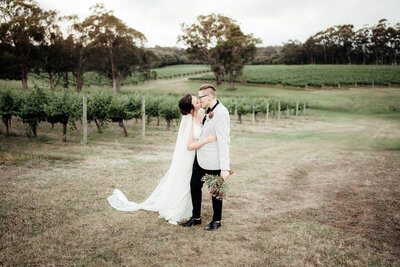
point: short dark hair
(185, 104)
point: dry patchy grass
(308, 191)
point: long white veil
(171, 198)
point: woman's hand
(211, 138)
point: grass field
(351, 99)
(167, 72)
(301, 76)
(319, 75)
(321, 189)
(92, 78)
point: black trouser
(195, 188)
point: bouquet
(217, 185)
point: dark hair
(185, 104)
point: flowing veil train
(171, 198)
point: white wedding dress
(171, 198)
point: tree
(266, 55)
(55, 51)
(202, 39)
(146, 59)
(9, 67)
(170, 56)
(322, 40)
(80, 52)
(235, 52)
(394, 40)
(312, 51)
(380, 40)
(22, 28)
(362, 43)
(219, 41)
(345, 40)
(293, 52)
(115, 43)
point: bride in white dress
(171, 198)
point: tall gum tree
(380, 40)
(110, 35)
(235, 52)
(21, 30)
(55, 51)
(202, 38)
(79, 34)
(218, 40)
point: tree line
(168, 56)
(341, 44)
(31, 41)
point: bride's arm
(196, 145)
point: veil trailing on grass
(171, 198)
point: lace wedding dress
(171, 198)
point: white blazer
(215, 156)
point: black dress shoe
(213, 225)
(192, 221)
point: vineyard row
(66, 107)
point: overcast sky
(274, 22)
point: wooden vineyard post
(279, 110)
(235, 113)
(304, 108)
(84, 119)
(297, 108)
(253, 116)
(267, 114)
(143, 117)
